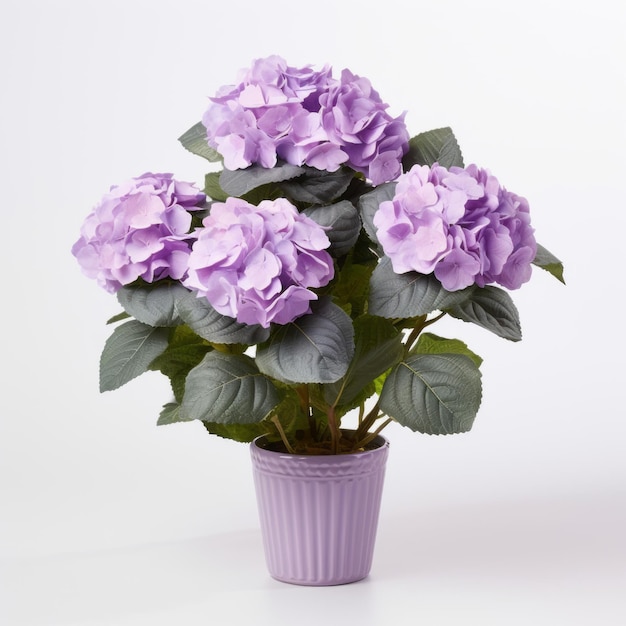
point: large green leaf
(227, 389)
(547, 261)
(318, 186)
(203, 319)
(128, 353)
(491, 308)
(314, 348)
(435, 394)
(369, 203)
(195, 140)
(240, 182)
(407, 295)
(153, 304)
(343, 223)
(378, 346)
(434, 146)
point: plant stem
(335, 433)
(283, 436)
(417, 329)
(303, 394)
(368, 421)
(361, 443)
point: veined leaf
(318, 186)
(407, 295)
(434, 146)
(170, 414)
(343, 223)
(204, 320)
(428, 343)
(153, 304)
(227, 389)
(195, 140)
(369, 203)
(491, 308)
(314, 348)
(547, 261)
(128, 353)
(435, 394)
(240, 182)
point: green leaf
(343, 223)
(195, 140)
(351, 289)
(491, 308)
(212, 187)
(239, 182)
(128, 353)
(434, 146)
(407, 295)
(318, 186)
(118, 318)
(369, 203)
(170, 414)
(184, 351)
(314, 348)
(204, 320)
(547, 261)
(435, 394)
(227, 389)
(378, 346)
(433, 344)
(153, 304)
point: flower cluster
(459, 224)
(305, 117)
(288, 295)
(257, 263)
(139, 230)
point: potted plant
(300, 285)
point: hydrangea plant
(298, 285)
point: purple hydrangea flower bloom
(355, 118)
(305, 117)
(459, 224)
(139, 230)
(257, 264)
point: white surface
(106, 519)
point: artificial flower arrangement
(301, 282)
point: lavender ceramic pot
(319, 514)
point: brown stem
(415, 333)
(283, 436)
(335, 433)
(368, 421)
(303, 394)
(361, 443)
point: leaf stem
(361, 443)
(335, 432)
(418, 328)
(283, 436)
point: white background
(106, 519)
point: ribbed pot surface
(319, 514)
